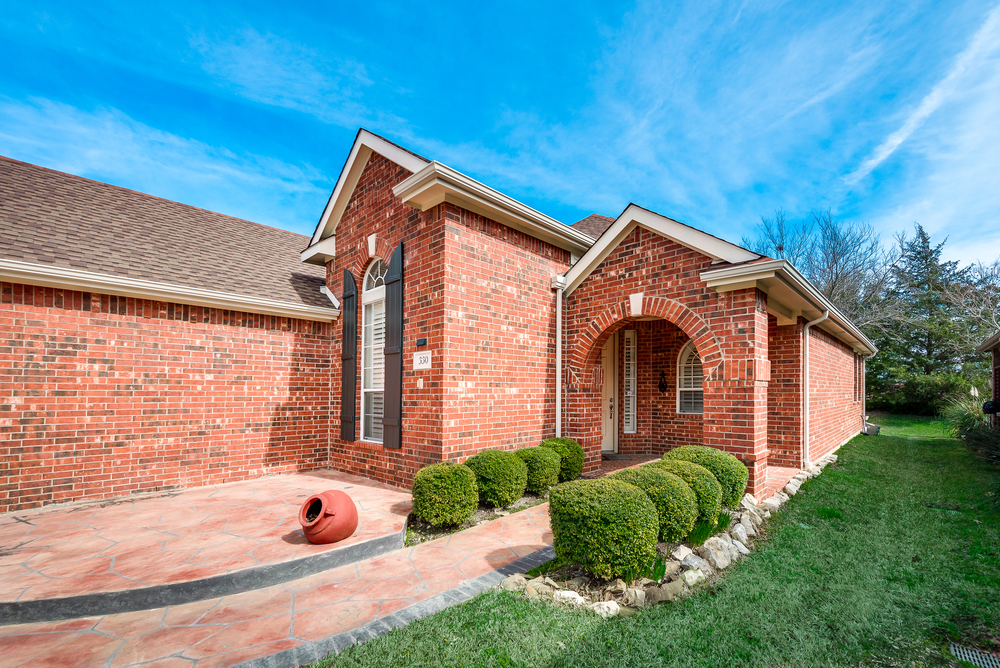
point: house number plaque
(421, 360)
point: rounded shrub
(606, 526)
(676, 505)
(731, 473)
(571, 457)
(701, 481)
(445, 493)
(501, 476)
(543, 467)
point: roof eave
(790, 294)
(989, 344)
(71, 279)
(437, 183)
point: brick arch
(586, 352)
(361, 260)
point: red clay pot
(328, 517)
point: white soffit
(71, 279)
(365, 144)
(635, 216)
(789, 295)
(437, 183)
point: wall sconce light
(663, 381)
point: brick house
(992, 346)
(427, 318)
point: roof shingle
(593, 225)
(52, 218)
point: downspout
(805, 386)
(559, 283)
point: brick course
(105, 396)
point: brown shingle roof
(52, 218)
(593, 225)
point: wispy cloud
(986, 40)
(272, 70)
(107, 145)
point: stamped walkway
(297, 621)
(179, 537)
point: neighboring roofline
(793, 295)
(989, 344)
(365, 143)
(636, 216)
(437, 183)
(72, 279)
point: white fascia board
(437, 183)
(320, 253)
(989, 344)
(364, 145)
(635, 216)
(760, 274)
(72, 279)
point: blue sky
(712, 113)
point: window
(628, 382)
(373, 352)
(690, 396)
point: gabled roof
(635, 216)
(431, 184)
(989, 344)
(61, 230)
(593, 225)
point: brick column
(582, 414)
(735, 412)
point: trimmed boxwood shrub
(445, 493)
(571, 457)
(731, 473)
(606, 526)
(676, 505)
(543, 467)
(501, 476)
(702, 483)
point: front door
(609, 395)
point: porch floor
(178, 537)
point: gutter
(805, 386)
(559, 284)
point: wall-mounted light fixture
(663, 381)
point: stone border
(161, 596)
(335, 644)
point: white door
(609, 395)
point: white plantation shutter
(690, 397)
(628, 382)
(373, 353)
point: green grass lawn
(882, 560)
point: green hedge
(606, 526)
(731, 473)
(445, 493)
(571, 456)
(676, 505)
(543, 467)
(702, 483)
(501, 476)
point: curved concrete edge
(161, 596)
(335, 644)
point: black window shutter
(349, 358)
(393, 406)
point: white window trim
(680, 360)
(367, 297)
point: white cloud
(107, 145)
(985, 41)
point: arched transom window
(373, 351)
(690, 396)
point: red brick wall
(479, 292)
(659, 427)
(103, 396)
(834, 403)
(784, 394)
(729, 329)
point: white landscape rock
(715, 551)
(635, 598)
(605, 608)
(692, 578)
(617, 587)
(741, 547)
(569, 597)
(792, 487)
(680, 552)
(515, 582)
(740, 534)
(770, 506)
(693, 562)
(781, 497)
(748, 526)
(815, 470)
